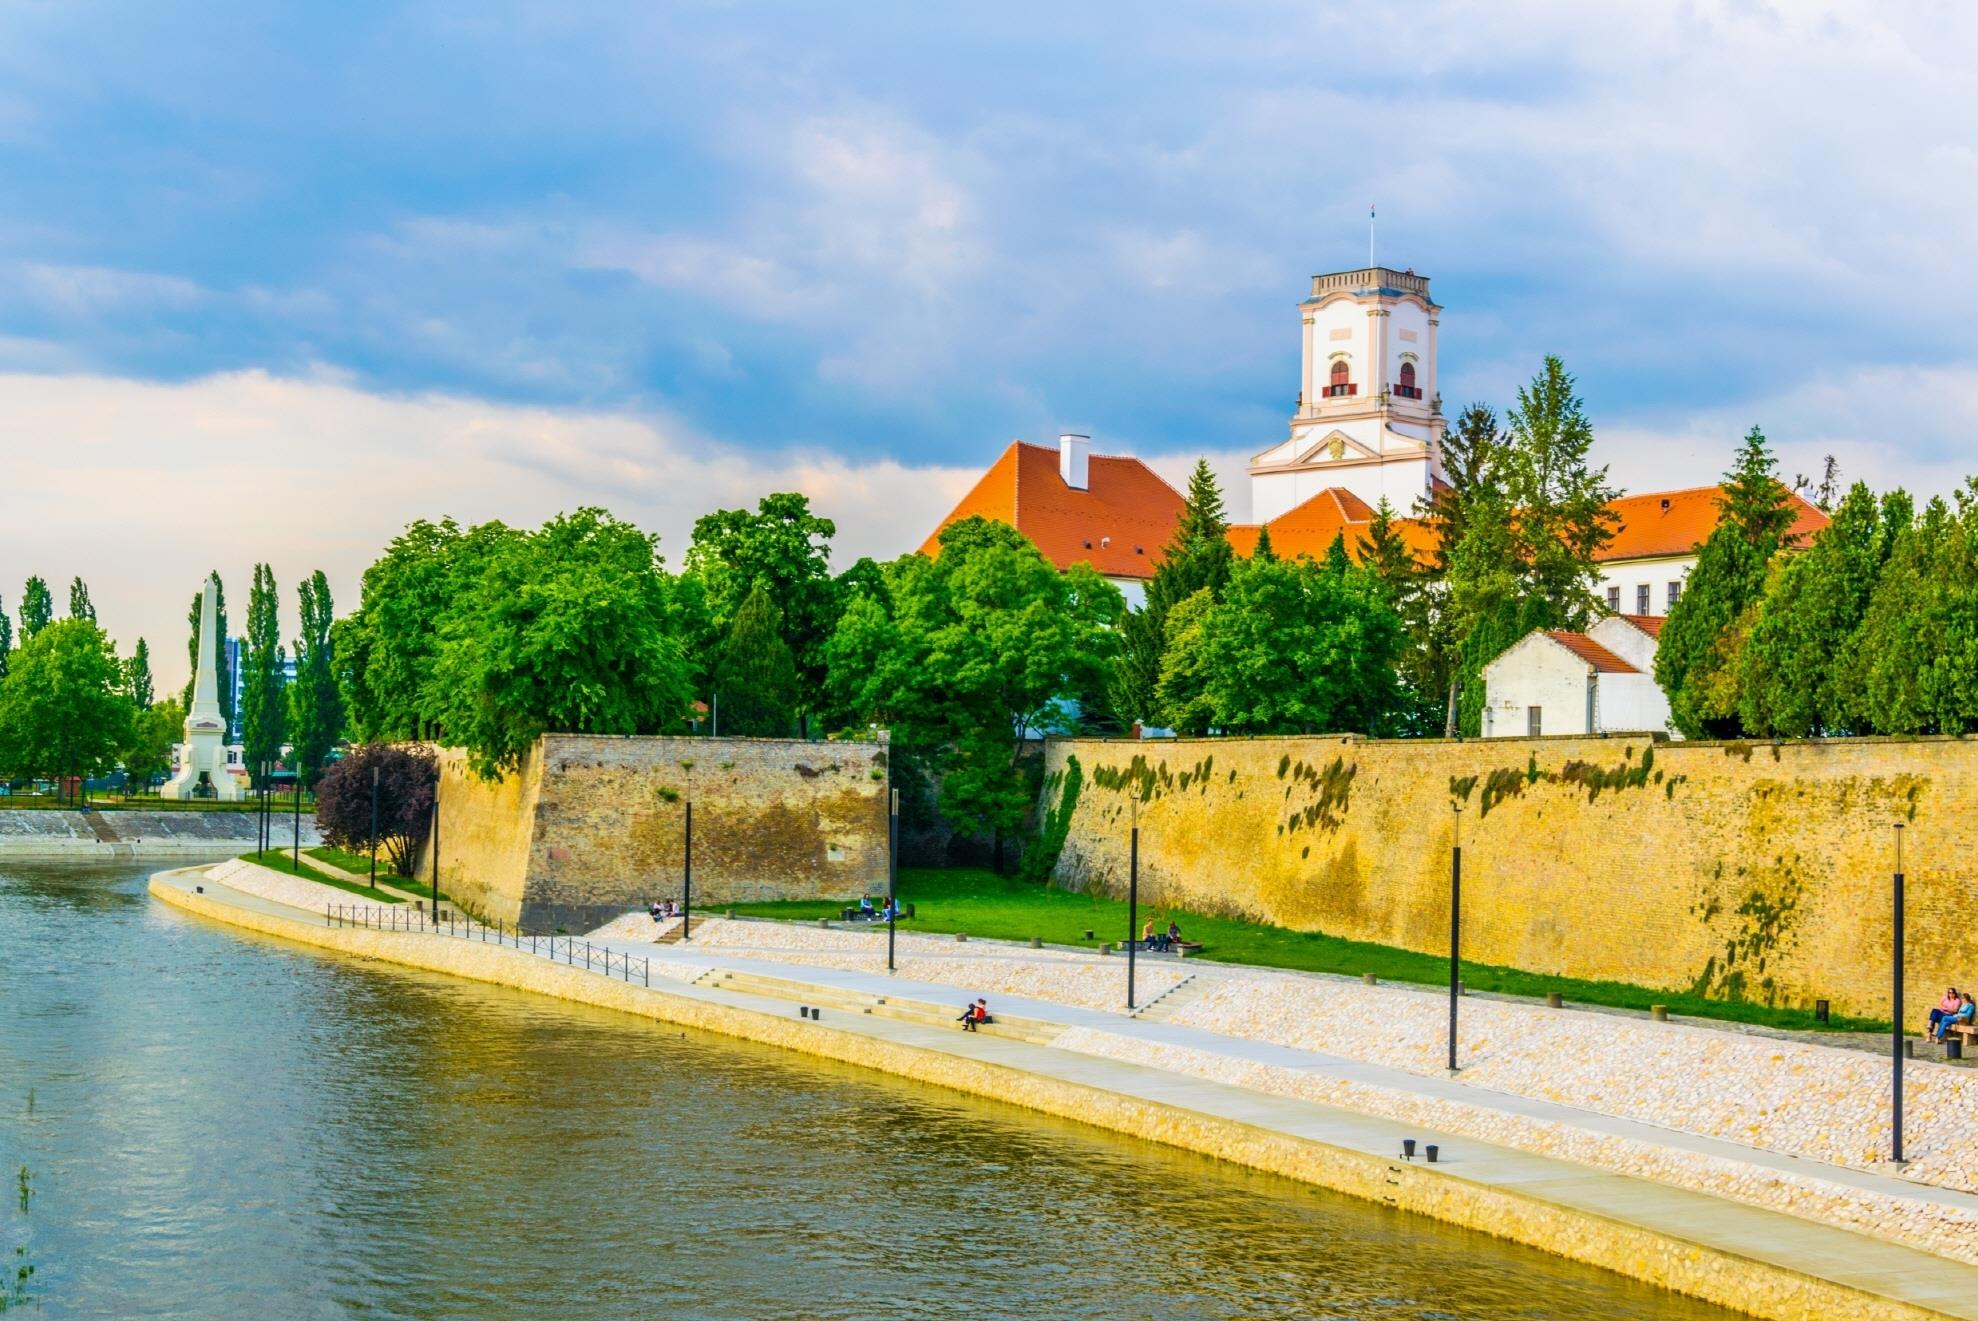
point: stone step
(1034, 1031)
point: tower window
(1407, 388)
(1339, 386)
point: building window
(1675, 593)
(1641, 598)
(1339, 386)
(1614, 599)
(1407, 389)
(1534, 720)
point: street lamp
(892, 867)
(1455, 923)
(1132, 897)
(1896, 1037)
(374, 826)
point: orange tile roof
(1649, 624)
(1117, 525)
(1591, 652)
(1677, 522)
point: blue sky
(500, 259)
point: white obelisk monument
(203, 769)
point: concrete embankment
(1744, 1257)
(35, 833)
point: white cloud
(87, 291)
(140, 488)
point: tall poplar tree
(262, 702)
(137, 676)
(80, 606)
(1198, 556)
(6, 639)
(37, 608)
(1755, 514)
(315, 706)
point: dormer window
(1407, 389)
(1340, 386)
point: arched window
(1408, 389)
(1340, 385)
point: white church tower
(1369, 419)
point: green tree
(219, 646)
(756, 676)
(562, 630)
(6, 640)
(1755, 515)
(1561, 500)
(385, 653)
(80, 606)
(986, 645)
(37, 608)
(785, 549)
(1183, 690)
(1418, 599)
(62, 704)
(1796, 663)
(263, 705)
(1299, 647)
(1264, 550)
(137, 677)
(147, 754)
(315, 705)
(1197, 556)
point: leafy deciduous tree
(784, 548)
(80, 606)
(37, 608)
(62, 704)
(315, 706)
(137, 676)
(756, 676)
(1198, 556)
(263, 705)
(407, 777)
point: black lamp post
(1455, 924)
(436, 845)
(374, 826)
(687, 877)
(892, 867)
(1896, 1038)
(1132, 898)
(295, 789)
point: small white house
(1601, 681)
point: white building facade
(1368, 418)
(1601, 681)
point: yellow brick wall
(1753, 870)
(591, 826)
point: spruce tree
(1264, 550)
(756, 674)
(137, 676)
(1385, 553)
(262, 703)
(1755, 514)
(80, 606)
(1197, 556)
(37, 608)
(1563, 520)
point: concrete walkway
(1902, 1275)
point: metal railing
(557, 949)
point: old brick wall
(592, 825)
(1760, 871)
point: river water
(219, 1125)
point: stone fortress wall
(1760, 871)
(593, 825)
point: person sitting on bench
(1945, 1008)
(1962, 1018)
(975, 1015)
(865, 907)
(657, 914)
(891, 913)
(1172, 936)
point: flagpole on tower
(1370, 234)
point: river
(220, 1125)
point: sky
(277, 279)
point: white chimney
(1075, 460)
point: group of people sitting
(660, 912)
(1954, 1010)
(1160, 941)
(868, 912)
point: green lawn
(1000, 907)
(279, 860)
(360, 863)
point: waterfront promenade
(1538, 1170)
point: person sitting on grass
(975, 1015)
(1962, 1018)
(1945, 1008)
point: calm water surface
(218, 1125)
